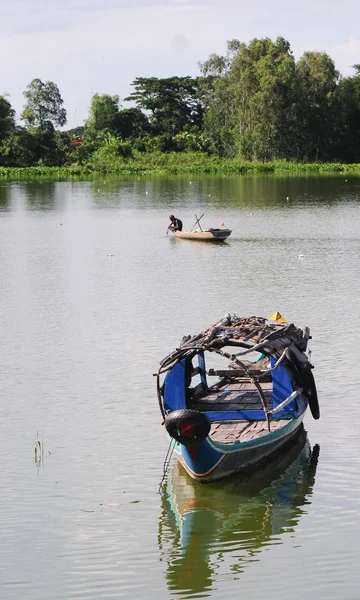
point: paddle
(198, 222)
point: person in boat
(175, 224)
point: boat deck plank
(229, 431)
(236, 396)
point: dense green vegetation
(173, 163)
(255, 109)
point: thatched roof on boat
(269, 337)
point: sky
(101, 46)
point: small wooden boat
(256, 405)
(204, 235)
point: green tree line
(256, 103)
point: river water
(93, 295)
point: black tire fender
(188, 427)
(310, 392)
(303, 376)
(293, 367)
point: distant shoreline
(179, 163)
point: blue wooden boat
(222, 419)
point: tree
(317, 108)
(131, 123)
(22, 148)
(7, 128)
(103, 113)
(43, 108)
(173, 103)
(7, 118)
(105, 117)
(349, 117)
(249, 111)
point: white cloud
(346, 55)
(103, 51)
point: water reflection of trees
(39, 195)
(202, 525)
(210, 192)
(4, 196)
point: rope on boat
(167, 461)
(158, 391)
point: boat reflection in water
(201, 523)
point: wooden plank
(229, 431)
(256, 429)
(214, 427)
(231, 373)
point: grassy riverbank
(173, 163)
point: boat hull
(210, 461)
(208, 235)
